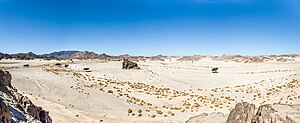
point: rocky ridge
(15, 107)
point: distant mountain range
(73, 54)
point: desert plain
(169, 90)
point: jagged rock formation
(14, 107)
(5, 115)
(126, 64)
(242, 113)
(267, 114)
(247, 113)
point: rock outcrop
(242, 113)
(207, 118)
(6, 116)
(15, 107)
(267, 114)
(247, 113)
(127, 64)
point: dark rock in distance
(127, 64)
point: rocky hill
(61, 53)
(16, 107)
(5, 56)
(255, 59)
(84, 55)
(25, 56)
(190, 58)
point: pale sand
(65, 95)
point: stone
(127, 64)
(267, 114)
(5, 115)
(242, 113)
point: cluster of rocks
(127, 64)
(245, 112)
(15, 107)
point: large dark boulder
(5, 81)
(127, 64)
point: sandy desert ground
(161, 91)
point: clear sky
(151, 27)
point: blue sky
(151, 27)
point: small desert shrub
(159, 112)
(26, 65)
(214, 70)
(129, 111)
(139, 111)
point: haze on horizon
(151, 27)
